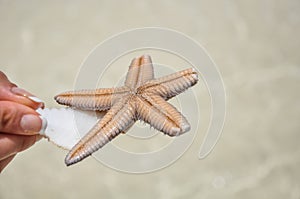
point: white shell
(62, 128)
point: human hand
(20, 125)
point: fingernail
(24, 93)
(20, 91)
(33, 123)
(37, 100)
(44, 125)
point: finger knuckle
(7, 116)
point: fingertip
(33, 123)
(27, 98)
(19, 119)
(43, 126)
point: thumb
(20, 119)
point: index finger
(10, 92)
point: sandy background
(255, 43)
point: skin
(13, 106)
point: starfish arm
(164, 117)
(119, 118)
(97, 99)
(140, 71)
(171, 85)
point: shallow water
(254, 43)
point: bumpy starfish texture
(141, 98)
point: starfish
(142, 97)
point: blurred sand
(256, 46)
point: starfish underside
(141, 98)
